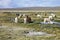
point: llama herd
(27, 19)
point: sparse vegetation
(17, 35)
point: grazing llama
(49, 19)
(39, 16)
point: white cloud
(31, 3)
(28, 3)
(5, 3)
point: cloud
(28, 3)
(5, 3)
(34, 3)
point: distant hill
(32, 8)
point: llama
(46, 20)
(39, 16)
(53, 15)
(20, 16)
(27, 19)
(16, 19)
(49, 19)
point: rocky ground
(13, 33)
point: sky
(28, 3)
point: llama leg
(44, 20)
